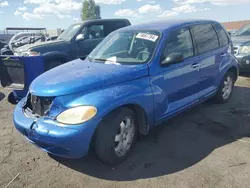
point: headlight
(30, 53)
(244, 50)
(77, 115)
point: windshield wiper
(99, 59)
(96, 59)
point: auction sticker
(147, 36)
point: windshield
(129, 47)
(69, 33)
(244, 31)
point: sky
(54, 14)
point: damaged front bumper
(52, 137)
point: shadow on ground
(1, 96)
(179, 143)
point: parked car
(76, 41)
(232, 31)
(32, 60)
(2, 44)
(136, 78)
(241, 42)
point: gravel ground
(205, 147)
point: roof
(24, 28)
(102, 20)
(166, 24)
(236, 24)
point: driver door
(177, 82)
(93, 35)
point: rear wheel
(226, 88)
(116, 136)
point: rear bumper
(57, 140)
(244, 63)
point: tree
(90, 10)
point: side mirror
(80, 37)
(173, 58)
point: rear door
(209, 51)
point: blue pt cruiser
(133, 80)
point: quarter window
(179, 41)
(206, 38)
(222, 35)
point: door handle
(195, 65)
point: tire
(220, 96)
(107, 146)
(52, 64)
(12, 99)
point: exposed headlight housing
(77, 115)
(30, 53)
(244, 50)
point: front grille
(39, 106)
(236, 50)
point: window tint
(222, 35)
(206, 37)
(114, 25)
(179, 41)
(94, 32)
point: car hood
(240, 40)
(27, 47)
(82, 75)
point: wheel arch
(141, 117)
(56, 56)
(235, 71)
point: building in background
(235, 25)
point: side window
(94, 32)
(206, 37)
(179, 41)
(222, 35)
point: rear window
(205, 37)
(222, 34)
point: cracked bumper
(65, 141)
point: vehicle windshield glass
(70, 32)
(244, 31)
(126, 47)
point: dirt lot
(205, 147)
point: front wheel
(116, 136)
(226, 88)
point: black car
(75, 42)
(241, 42)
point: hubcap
(125, 136)
(228, 87)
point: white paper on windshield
(112, 60)
(147, 36)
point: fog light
(247, 62)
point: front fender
(56, 55)
(109, 98)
